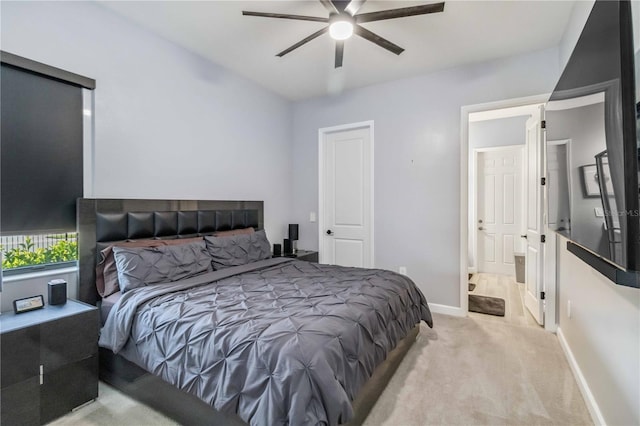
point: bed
(263, 341)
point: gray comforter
(276, 342)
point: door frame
(322, 132)
(465, 111)
(473, 182)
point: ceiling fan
(344, 21)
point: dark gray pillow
(140, 266)
(238, 249)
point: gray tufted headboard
(103, 221)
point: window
(28, 252)
(41, 155)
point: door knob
(523, 236)
(480, 228)
(329, 232)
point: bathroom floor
(504, 287)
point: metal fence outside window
(39, 241)
(22, 253)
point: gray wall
(498, 132)
(20, 286)
(603, 334)
(417, 160)
(168, 124)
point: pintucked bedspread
(276, 342)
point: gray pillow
(238, 249)
(140, 266)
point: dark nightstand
(49, 362)
(307, 255)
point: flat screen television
(593, 141)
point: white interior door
(534, 267)
(346, 225)
(499, 215)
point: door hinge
(542, 295)
(543, 124)
(543, 238)
(543, 181)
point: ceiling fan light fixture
(341, 28)
(344, 20)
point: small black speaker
(288, 248)
(277, 250)
(57, 292)
(293, 231)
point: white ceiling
(466, 32)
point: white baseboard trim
(454, 311)
(589, 399)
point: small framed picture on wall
(590, 186)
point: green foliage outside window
(26, 254)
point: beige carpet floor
(464, 371)
(471, 371)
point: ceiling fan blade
(400, 13)
(375, 38)
(304, 41)
(328, 4)
(339, 52)
(354, 6)
(285, 16)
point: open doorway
(504, 198)
(497, 217)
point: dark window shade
(41, 153)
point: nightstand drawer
(20, 355)
(68, 388)
(68, 340)
(20, 403)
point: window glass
(24, 252)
